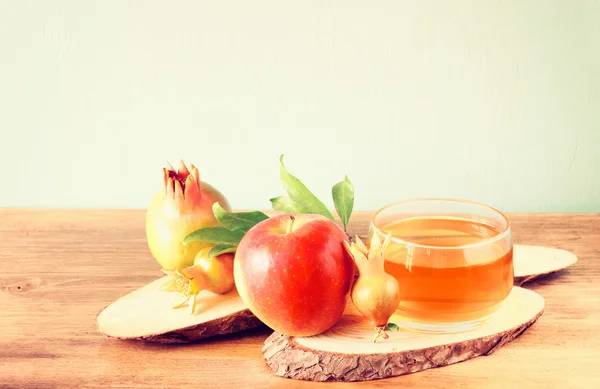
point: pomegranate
(182, 206)
(212, 274)
(375, 293)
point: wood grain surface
(59, 268)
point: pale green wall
(495, 101)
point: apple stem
(290, 224)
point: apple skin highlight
(294, 274)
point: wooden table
(58, 268)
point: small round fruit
(217, 271)
(376, 297)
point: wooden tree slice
(147, 314)
(531, 262)
(346, 352)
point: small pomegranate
(212, 274)
(182, 206)
(375, 293)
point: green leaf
(343, 199)
(392, 327)
(287, 205)
(242, 221)
(215, 235)
(300, 194)
(221, 248)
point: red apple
(293, 273)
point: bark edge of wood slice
(532, 262)
(346, 353)
(146, 314)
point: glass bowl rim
(482, 242)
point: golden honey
(450, 269)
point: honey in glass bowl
(453, 260)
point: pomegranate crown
(181, 183)
(368, 258)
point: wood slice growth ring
(147, 314)
(346, 353)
